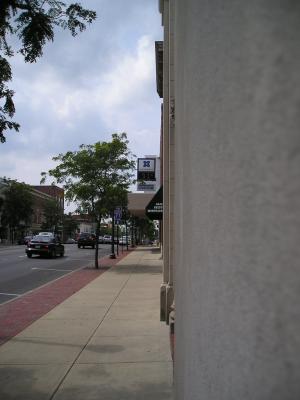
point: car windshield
(41, 238)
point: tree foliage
(17, 205)
(53, 215)
(70, 226)
(33, 23)
(96, 176)
(146, 228)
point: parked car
(107, 239)
(100, 239)
(122, 240)
(70, 241)
(25, 239)
(45, 245)
(86, 239)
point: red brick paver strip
(19, 313)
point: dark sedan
(44, 245)
(86, 239)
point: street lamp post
(113, 235)
(118, 239)
(126, 233)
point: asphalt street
(20, 274)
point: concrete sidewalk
(104, 342)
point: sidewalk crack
(89, 339)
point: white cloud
(126, 97)
(118, 96)
(23, 168)
(122, 88)
(129, 77)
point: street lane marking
(52, 269)
(10, 294)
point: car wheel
(29, 255)
(52, 254)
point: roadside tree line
(17, 205)
(96, 177)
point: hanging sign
(118, 215)
(146, 169)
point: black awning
(154, 210)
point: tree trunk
(97, 239)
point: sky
(85, 88)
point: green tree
(33, 23)
(17, 206)
(53, 215)
(2, 228)
(146, 228)
(96, 177)
(70, 226)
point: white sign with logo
(146, 164)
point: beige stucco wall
(237, 200)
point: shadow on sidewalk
(12, 374)
(101, 349)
